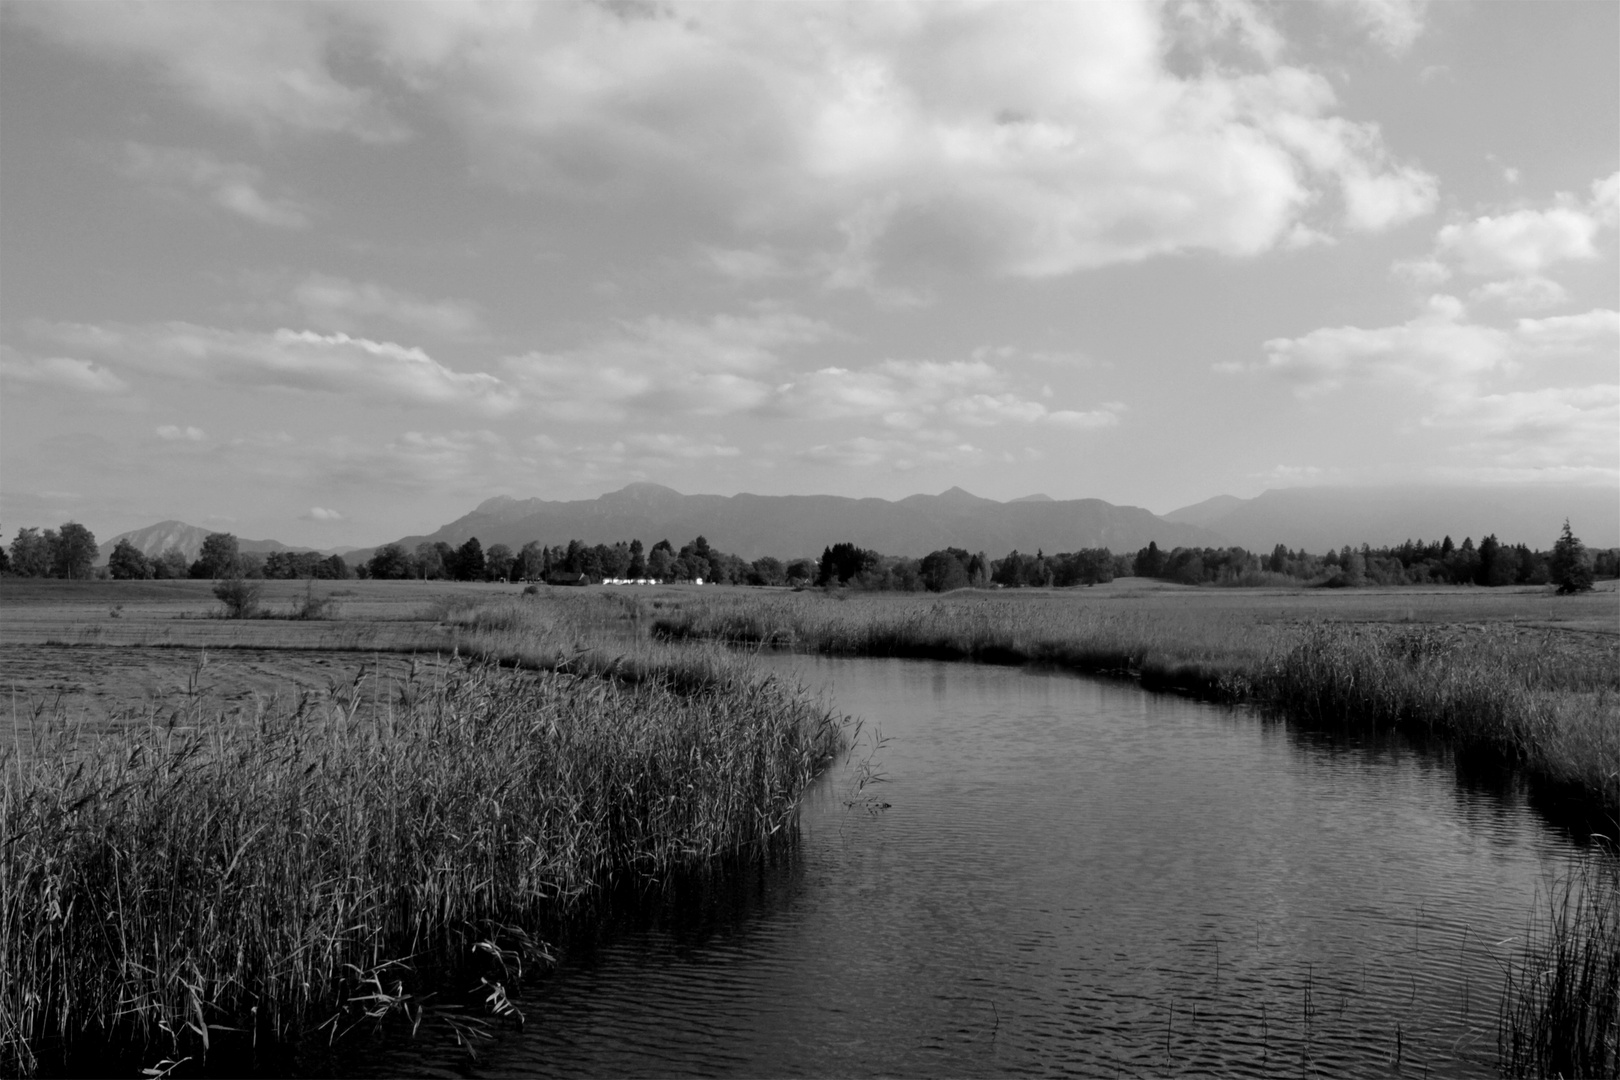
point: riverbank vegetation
(205, 883)
(1540, 697)
(1560, 1009)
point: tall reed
(1560, 1012)
(253, 878)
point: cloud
(1440, 350)
(1437, 348)
(60, 373)
(174, 433)
(229, 185)
(906, 394)
(1394, 24)
(1521, 242)
(338, 303)
(1564, 433)
(321, 513)
(371, 371)
(900, 455)
(663, 365)
(1026, 139)
(267, 65)
(1522, 293)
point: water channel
(1071, 876)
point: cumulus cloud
(338, 303)
(1394, 24)
(1527, 293)
(1440, 350)
(230, 185)
(1038, 139)
(907, 394)
(1516, 247)
(175, 433)
(660, 365)
(61, 373)
(302, 360)
(1520, 242)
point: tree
(74, 552)
(530, 562)
(429, 563)
(128, 562)
(638, 562)
(171, 564)
(1569, 568)
(942, 571)
(498, 562)
(218, 558)
(30, 554)
(470, 561)
(389, 563)
(660, 566)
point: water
(1071, 876)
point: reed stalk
(175, 883)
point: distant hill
(1320, 518)
(790, 526)
(156, 539)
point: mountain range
(1319, 518)
(790, 526)
(156, 539)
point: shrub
(240, 597)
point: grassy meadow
(226, 834)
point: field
(601, 736)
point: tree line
(1416, 562)
(70, 551)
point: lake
(1070, 876)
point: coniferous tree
(1569, 568)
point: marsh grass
(208, 883)
(1560, 1010)
(1546, 701)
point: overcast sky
(335, 274)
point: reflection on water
(1073, 876)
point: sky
(334, 274)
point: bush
(240, 597)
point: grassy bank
(1519, 690)
(212, 883)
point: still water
(1071, 876)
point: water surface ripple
(1073, 877)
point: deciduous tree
(128, 562)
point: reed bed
(1560, 1011)
(209, 881)
(1547, 701)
